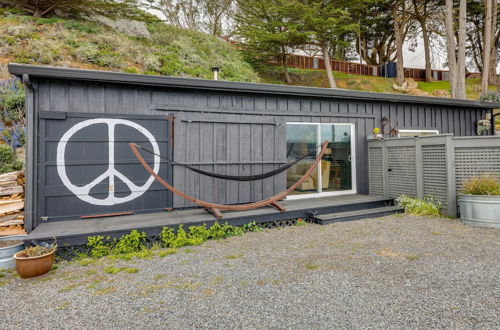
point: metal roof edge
(229, 86)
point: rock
(402, 88)
(132, 28)
(418, 92)
(441, 93)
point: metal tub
(6, 253)
(480, 211)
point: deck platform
(75, 232)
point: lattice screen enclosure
(430, 166)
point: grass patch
(114, 270)
(131, 270)
(166, 252)
(412, 257)
(87, 261)
(311, 266)
(104, 291)
(217, 280)
(71, 287)
(233, 256)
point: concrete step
(325, 219)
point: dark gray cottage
(80, 122)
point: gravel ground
(392, 272)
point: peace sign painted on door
(83, 192)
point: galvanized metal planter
(6, 253)
(480, 211)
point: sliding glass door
(336, 172)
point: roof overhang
(229, 86)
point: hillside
(161, 49)
(317, 78)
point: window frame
(319, 189)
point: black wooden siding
(238, 133)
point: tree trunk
(397, 19)
(461, 50)
(288, 80)
(450, 46)
(328, 66)
(493, 54)
(427, 51)
(487, 45)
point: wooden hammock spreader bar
(214, 208)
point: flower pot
(6, 253)
(34, 266)
(480, 211)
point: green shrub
(199, 232)
(483, 185)
(98, 248)
(252, 226)
(490, 96)
(130, 243)
(167, 236)
(218, 231)
(417, 206)
(87, 53)
(8, 160)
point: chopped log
(11, 217)
(10, 201)
(16, 190)
(14, 230)
(13, 206)
(12, 176)
(12, 223)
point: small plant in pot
(480, 202)
(35, 260)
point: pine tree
(328, 21)
(109, 8)
(270, 29)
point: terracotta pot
(35, 266)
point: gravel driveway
(392, 272)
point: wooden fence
(317, 63)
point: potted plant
(480, 202)
(35, 260)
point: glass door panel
(301, 140)
(336, 165)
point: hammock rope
(234, 177)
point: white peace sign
(83, 192)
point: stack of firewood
(12, 203)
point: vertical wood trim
(451, 176)
(419, 168)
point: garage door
(86, 167)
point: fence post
(419, 168)
(384, 169)
(450, 174)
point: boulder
(129, 27)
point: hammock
(215, 208)
(235, 177)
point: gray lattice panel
(476, 161)
(434, 173)
(376, 183)
(401, 175)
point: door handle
(349, 158)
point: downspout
(493, 115)
(30, 154)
